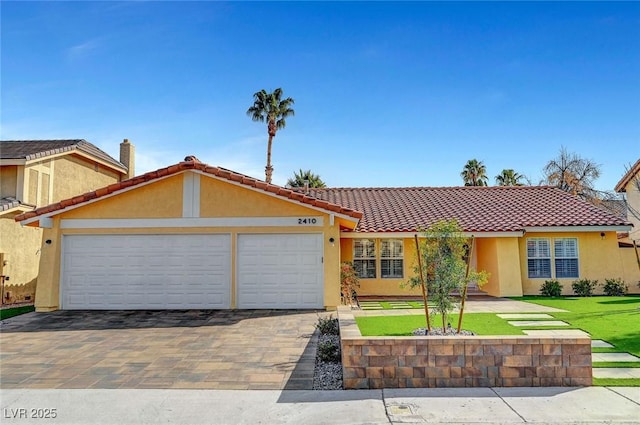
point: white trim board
(141, 223)
(563, 229)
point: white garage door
(280, 271)
(146, 272)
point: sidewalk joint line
(622, 395)
(510, 407)
(384, 404)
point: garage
(126, 272)
(280, 271)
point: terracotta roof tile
(35, 149)
(478, 209)
(182, 166)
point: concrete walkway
(473, 305)
(550, 406)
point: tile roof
(35, 149)
(191, 163)
(478, 209)
(632, 172)
(9, 202)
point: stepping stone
(616, 372)
(614, 357)
(525, 316)
(555, 332)
(598, 343)
(536, 323)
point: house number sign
(310, 221)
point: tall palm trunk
(268, 170)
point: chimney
(127, 157)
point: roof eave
(624, 181)
(592, 228)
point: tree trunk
(268, 170)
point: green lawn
(612, 319)
(479, 323)
(16, 311)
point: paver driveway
(247, 349)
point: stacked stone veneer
(461, 361)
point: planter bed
(460, 361)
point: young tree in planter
(444, 258)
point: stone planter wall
(460, 361)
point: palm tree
(299, 179)
(270, 107)
(508, 177)
(474, 173)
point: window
(539, 258)
(391, 258)
(566, 257)
(364, 258)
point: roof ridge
(220, 172)
(433, 187)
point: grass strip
(612, 319)
(478, 323)
(611, 382)
(16, 311)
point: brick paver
(248, 349)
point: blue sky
(387, 94)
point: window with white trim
(538, 258)
(565, 253)
(364, 258)
(391, 258)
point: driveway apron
(212, 349)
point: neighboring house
(195, 236)
(34, 173)
(629, 184)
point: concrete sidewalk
(590, 405)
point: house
(629, 184)
(34, 173)
(195, 236)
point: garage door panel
(146, 271)
(280, 271)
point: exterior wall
(380, 286)
(599, 258)
(8, 180)
(500, 257)
(42, 182)
(163, 199)
(21, 252)
(144, 202)
(461, 361)
(74, 175)
(630, 268)
(633, 201)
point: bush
(584, 287)
(349, 282)
(551, 288)
(615, 287)
(328, 326)
(328, 351)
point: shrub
(349, 282)
(328, 326)
(615, 287)
(551, 288)
(584, 287)
(328, 351)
